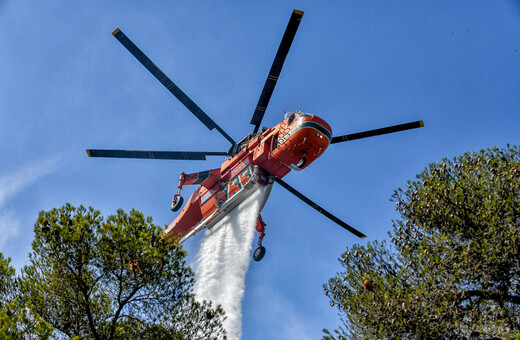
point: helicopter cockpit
(291, 116)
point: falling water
(223, 259)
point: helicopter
(259, 160)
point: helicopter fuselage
(293, 144)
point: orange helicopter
(257, 161)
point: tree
(113, 278)
(17, 321)
(454, 268)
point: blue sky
(67, 84)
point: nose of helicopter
(317, 135)
(301, 120)
(304, 138)
(323, 129)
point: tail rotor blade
(319, 209)
(179, 155)
(276, 68)
(168, 83)
(377, 132)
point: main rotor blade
(182, 155)
(276, 68)
(377, 132)
(169, 84)
(319, 209)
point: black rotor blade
(168, 83)
(319, 209)
(182, 155)
(276, 68)
(377, 132)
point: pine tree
(113, 278)
(453, 269)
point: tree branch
(484, 295)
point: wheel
(301, 162)
(176, 203)
(259, 253)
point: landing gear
(176, 203)
(177, 198)
(301, 162)
(259, 253)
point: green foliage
(7, 279)
(17, 320)
(454, 268)
(113, 278)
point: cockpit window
(291, 118)
(275, 142)
(296, 115)
(300, 114)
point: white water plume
(223, 259)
